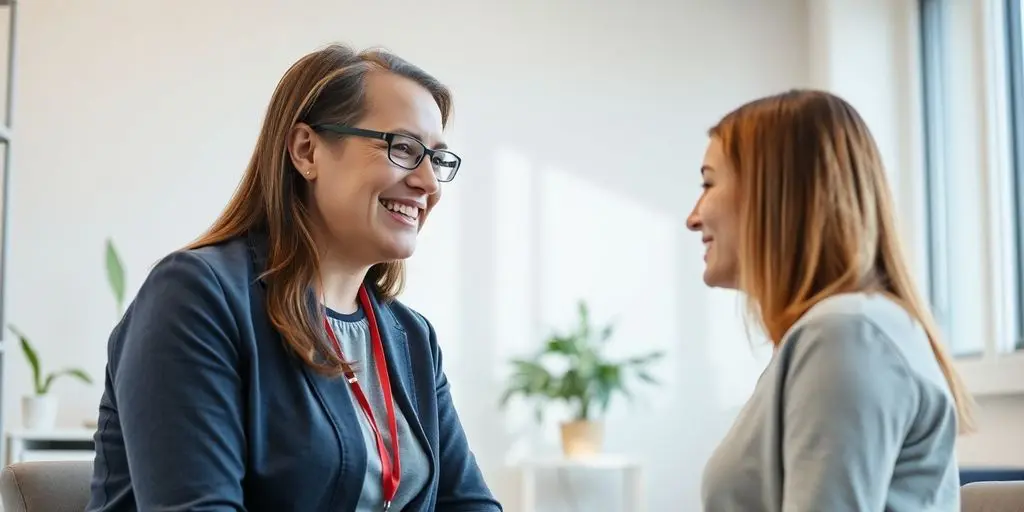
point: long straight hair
(326, 86)
(817, 216)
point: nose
(423, 177)
(693, 221)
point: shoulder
(852, 346)
(187, 305)
(231, 261)
(859, 329)
(410, 320)
(221, 269)
(209, 282)
(421, 339)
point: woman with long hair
(860, 406)
(269, 365)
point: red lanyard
(391, 474)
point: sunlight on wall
(434, 277)
(516, 238)
(617, 254)
(515, 291)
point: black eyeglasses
(405, 151)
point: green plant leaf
(645, 359)
(115, 275)
(584, 317)
(646, 377)
(33, 359)
(70, 372)
(564, 345)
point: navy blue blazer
(204, 408)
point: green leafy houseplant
(39, 410)
(588, 383)
(42, 383)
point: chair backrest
(992, 497)
(46, 486)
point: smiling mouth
(409, 212)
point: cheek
(709, 211)
(719, 211)
(434, 199)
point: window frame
(1014, 27)
(994, 142)
(933, 47)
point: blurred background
(582, 126)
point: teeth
(409, 211)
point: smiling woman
(860, 407)
(269, 366)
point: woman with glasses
(269, 366)
(860, 406)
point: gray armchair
(46, 486)
(992, 497)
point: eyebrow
(706, 168)
(409, 133)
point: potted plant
(587, 384)
(39, 410)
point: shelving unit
(6, 136)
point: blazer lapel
(395, 340)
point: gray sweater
(851, 414)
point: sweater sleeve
(848, 402)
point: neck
(340, 285)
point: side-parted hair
(817, 216)
(323, 87)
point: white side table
(60, 444)
(632, 472)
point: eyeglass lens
(408, 152)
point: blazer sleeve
(461, 486)
(178, 391)
(848, 401)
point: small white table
(632, 471)
(59, 444)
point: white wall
(582, 127)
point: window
(933, 50)
(972, 77)
(1015, 72)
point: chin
(714, 279)
(398, 250)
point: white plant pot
(39, 412)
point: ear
(301, 144)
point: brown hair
(817, 216)
(325, 86)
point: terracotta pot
(582, 438)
